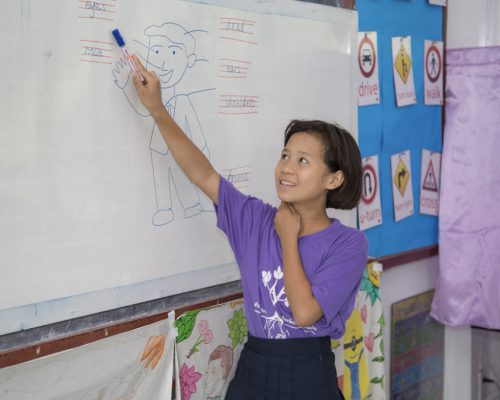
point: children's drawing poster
(207, 350)
(137, 364)
(92, 198)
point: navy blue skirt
(285, 369)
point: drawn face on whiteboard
(168, 59)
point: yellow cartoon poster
(359, 354)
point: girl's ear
(335, 180)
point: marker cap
(118, 37)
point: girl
(300, 270)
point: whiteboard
(90, 199)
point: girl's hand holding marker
(148, 89)
(126, 53)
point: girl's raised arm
(191, 160)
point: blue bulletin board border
(385, 129)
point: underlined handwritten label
(238, 176)
(231, 68)
(238, 104)
(96, 51)
(237, 30)
(99, 10)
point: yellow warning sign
(403, 64)
(401, 177)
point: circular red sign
(431, 51)
(367, 198)
(366, 54)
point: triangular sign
(430, 182)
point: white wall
(408, 280)
(473, 26)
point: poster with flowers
(208, 345)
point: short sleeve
(336, 283)
(241, 217)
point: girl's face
(301, 175)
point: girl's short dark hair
(341, 153)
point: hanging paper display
(369, 210)
(429, 182)
(368, 90)
(402, 192)
(433, 72)
(136, 364)
(403, 71)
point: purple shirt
(334, 260)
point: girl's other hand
(287, 222)
(149, 90)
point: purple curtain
(468, 286)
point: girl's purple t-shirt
(334, 260)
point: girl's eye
(284, 156)
(303, 160)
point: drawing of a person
(170, 51)
(433, 65)
(217, 372)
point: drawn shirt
(333, 259)
(181, 109)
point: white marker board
(90, 200)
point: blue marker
(128, 56)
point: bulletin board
(385, 129)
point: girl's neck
(312, 220)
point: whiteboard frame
(51, 311)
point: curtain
(468, 286)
